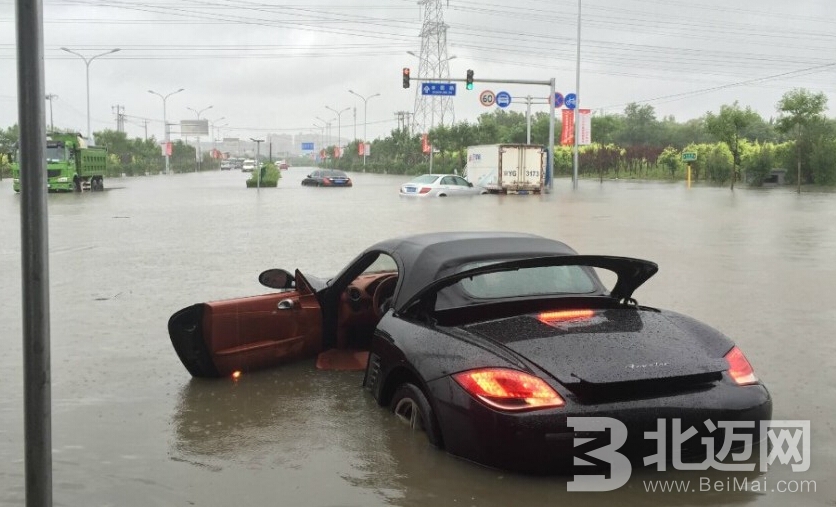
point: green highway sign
(689, 156)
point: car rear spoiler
(631, 273)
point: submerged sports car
(488, 342)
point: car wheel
(412, 408)
(442, 195)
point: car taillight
(739, 368)
(507, 389)
(424, 190)
(565, 315)
(326, 180)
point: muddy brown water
(131, 428)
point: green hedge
(270, 176)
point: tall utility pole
(120, 117)
(404, 122)
(50, 97)
(34, 255)
(87, 62)
(433, 62)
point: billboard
(194, 128)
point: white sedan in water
(440, 185)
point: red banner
(361, 148)
(567, 133)
(425, 143)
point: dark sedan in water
(490, 343)
(327, 178)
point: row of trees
(630, 144)
(733, 144)
(131, 157)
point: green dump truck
(71, 165)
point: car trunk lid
(636, 350)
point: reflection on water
(282, 419)
(132, 429)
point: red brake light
(424, 190)
(739, 368)
(507, 389)
(326, 180)
(565, 315)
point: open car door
(219, 338)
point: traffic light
(406, 77)
(469, 84)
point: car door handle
(286, 304)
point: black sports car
(327, 178)
(488, 342)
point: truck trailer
(507, 168)
(71, 165)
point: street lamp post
(339, 121)
(218, 134)
(257, 162)
(365, 100)
(577, 102)
(199, 154)
(327, 131)
(50, 97)
(87, 62)
(320, 136)
(212, 131)
(165, 126)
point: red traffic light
(406, 77)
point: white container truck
(507, 168)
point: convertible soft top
(424, 258)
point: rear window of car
(427, 178)
(527, 282)
(334, 174)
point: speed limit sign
(487, 98)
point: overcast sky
(273, 66)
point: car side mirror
(469, 184)
(277, 279)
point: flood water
(131, 428)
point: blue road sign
(438, 89)
(558, 99)
(571, 101)
(307, 146)
(503, 99)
